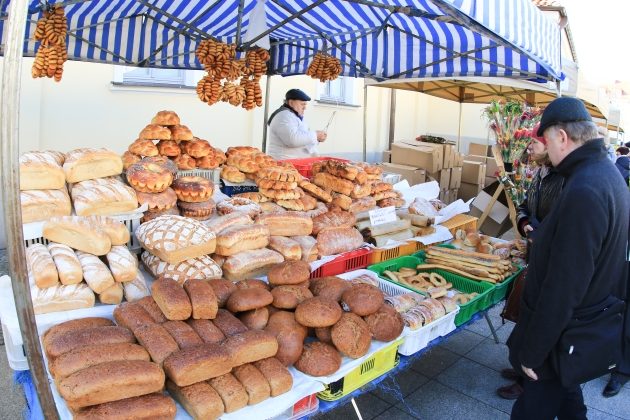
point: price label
(384, 215)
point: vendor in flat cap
(289, 136)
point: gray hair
(578, 131)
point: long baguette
(476, 270)
(385, 228)
(489, 269)
(454, 271)
(485, 257)
(471, 259)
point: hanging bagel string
(324, 66)
(51, 31)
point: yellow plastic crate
(461, 221)
(384, 254)
(379, 363)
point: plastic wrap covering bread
(338, 240)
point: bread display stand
(230, 188)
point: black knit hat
(297, 94)
(563, 110)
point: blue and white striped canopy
(381, 39)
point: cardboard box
(473, 172)
(412, 174)
(454, 194)
(491, 167)
(456, 178)
(489, 180)
(419, 155)
(443, 178)
(459, 159)
(467, 191)
(476, 158)
(498, 220)
(449, 156)
(387, 156)
(479, 149)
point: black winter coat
(623, 164)
(578, 258)
(541, 197)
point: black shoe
(510, 374)
(510, 392)
(614, 385)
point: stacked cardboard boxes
(479, 170)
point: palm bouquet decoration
(512, 122)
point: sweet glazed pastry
(165, 118)
(129, 159)
(180, 133)
(208, 162)
(185, 162)
(143, 147)
(256, 197)
(155, 132)
(231, 174)
(196, 148)
(193, 189)
(163, 161)
(158, 201)
(168, 148)
(149, 177)
(200, 210)
(239, 204)
(278, 173)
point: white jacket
(290, 138)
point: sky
(600, 32)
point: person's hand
(530, 373)
(528, 228)
(321, 136)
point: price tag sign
(384, 215)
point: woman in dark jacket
(541, 195)
(623, 162)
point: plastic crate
(461, 221)
(378, 364)
(305, 166)
(15, 352)
(213, 175)
(348, 261)
(234, 189)
(384, 254)
(304, 407)
(466, 311)
(499, 292)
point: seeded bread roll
(247, 299)
(232, 392)
(158, 342)
(222, 289)
(256, 319)
(282, 320)
(200, 400)
(132, 315)
(202, 298)
(254, 382)
(71, 340)
(206, 330)
(183, 334)
(318, 312)
(363, 299)
(386, 324)
(196, 364)
(289, 272)
(252, 284)
(152, 308)
(289, 297)
(351, 335)
(172, 299)
(319, 359)
(250, 346)
(277, 375)
(331, 287)
(290, 344)
(150, 406)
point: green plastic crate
(466, 311)
(500, 289)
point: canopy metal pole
(266, 117)
(365, 101)
(392, 116)
(9, 139)
(459, 127)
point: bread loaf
(286, 224)
(324, 334)
(61, 298)
(360, 205)
(333, 219)
(219, 224)
(250, 346)
(117, 231)
(91, 355)
(157, 341)
(308, 244)
(288, 297)
(338, 240)
(206, 330)
(132, 315)
(41, 266)
(40, 171)
(386, 324)
(282, 320)
(330, 287)
(251, 263)
(351, 335)
(241, 238)
(67, 263)
(71, 340)
(289, 272)
(222, 289)
(200, 400)
(318, 312)
(150, 406)
(247, 299)
(290, 344)
(123, 265)
(363, 299)
(202, 298)
(182, 333)
(330, 182)
(277, 375)
(318, 359)
(152, 308)
(136, 289)
(95, 272)
(231, 391)
(255, 319)
(201, 268)
(82, 164)
(228, 323)
(172, 299)
(73, 325)
(103, 196)
(112, 295)
(252, 284)
(111, 381)
(78, 233)
(40, 205)
(289, 248)
(174, 239)
(196, 364)
(254, 383)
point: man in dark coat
(578, 259)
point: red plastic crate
(304, 166)
(348, 261)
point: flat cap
(297, 94)
(563, 110)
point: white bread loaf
(95, 272)
(136, 289)
(289, 248)
(41, 171)
(241, 238)
(112, 295)
(67, 263)
(117, 231)
(174, 239)
(308, 244)
(61, 298)
(40, 205)
(122, 263)
(236, 218)
(82, 164)
(103, 196)
(251, 263)
(78, 233)
(200, 268)
(41, 266)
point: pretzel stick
(455, 271)
(483, 270)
